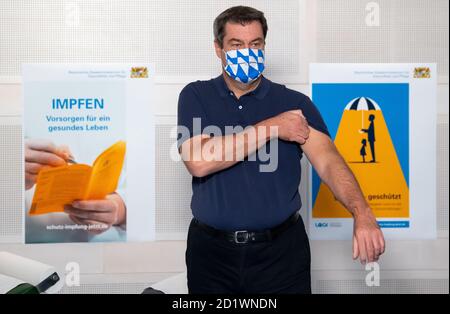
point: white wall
(177, 37)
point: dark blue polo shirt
(242, 197)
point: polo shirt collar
(259, 92)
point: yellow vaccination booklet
(58, 186)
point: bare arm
(334, 172)
(204, 155)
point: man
(247, 235)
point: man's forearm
(207, 155)
(340, 179)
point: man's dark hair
(239, 14)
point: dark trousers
(279, 266)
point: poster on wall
(382, 119)
(89, 153)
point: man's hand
(292, 126)
(40, 154)
(100, 215)
(368, 240)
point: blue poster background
(393, 99)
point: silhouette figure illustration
(371, 136)
(362, 152)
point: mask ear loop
(226, 57)
(224, 66)
(226, 60)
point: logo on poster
(422, 72)
(139, 72)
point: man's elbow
(197, 168)
(329, 161)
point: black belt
(245, 236)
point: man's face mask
(244, 65)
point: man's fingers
(377, 243)
(376, 247)
(300, 139)
(296, 111)
(380, 244)
(304, 129)
(303, 123)
(299, 113)
(302, 136)
(302, 117)
(369, 248)
(362, 250)
(43, 158)
(355, 248)
(304, 132)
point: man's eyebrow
(257, 39)
(241, 41)
(235, 39)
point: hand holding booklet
(62, 185)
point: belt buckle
(236, 233)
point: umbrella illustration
(362, 104)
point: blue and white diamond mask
(244, 65)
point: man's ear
(218, 49)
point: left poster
(83, 127)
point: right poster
(382, 119)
